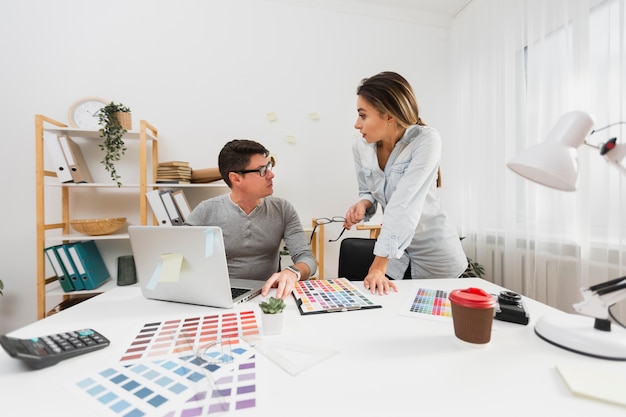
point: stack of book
(173, 172)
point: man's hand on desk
(285, 280)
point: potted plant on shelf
(1, 287)
(115, 120)
(272, 316)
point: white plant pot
(272, 323)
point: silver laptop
(187, 264)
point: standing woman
(397, 163)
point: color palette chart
(180, 368)
(427, 303)
(328, 296)
(184, 335)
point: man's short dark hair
(235, 156)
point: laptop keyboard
(236, 292)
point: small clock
(84, 112)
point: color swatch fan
(199, 365)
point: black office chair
(355, 258)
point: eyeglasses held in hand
(262, 171)
(326, 220)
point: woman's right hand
(355, 214)
(377, 282)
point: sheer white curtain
(521, 64)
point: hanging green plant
(112, 130)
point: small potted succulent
(115, 121)
(272, 317)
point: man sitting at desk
(254, 222)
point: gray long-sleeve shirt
(252, 241)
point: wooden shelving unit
(146, 138)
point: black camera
(511, 308)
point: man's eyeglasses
(326, 220)
(262, 171)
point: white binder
(75, 160)
(58, 158)
(182, 204)
(158, 209)
(170, 207)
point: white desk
(387, 364)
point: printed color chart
(179, 368)
(184, 335)
(427, 303)
(329, 296)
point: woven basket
(97, 227)
(125, 119)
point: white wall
(203, 72)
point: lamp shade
(554, 163)
(615, 157)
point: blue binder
(59, 271)
(68, 265)
(89, 263)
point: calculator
(43, 351)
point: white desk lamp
(554, 164)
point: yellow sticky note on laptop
(168, 269)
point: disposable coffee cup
(472, 314)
